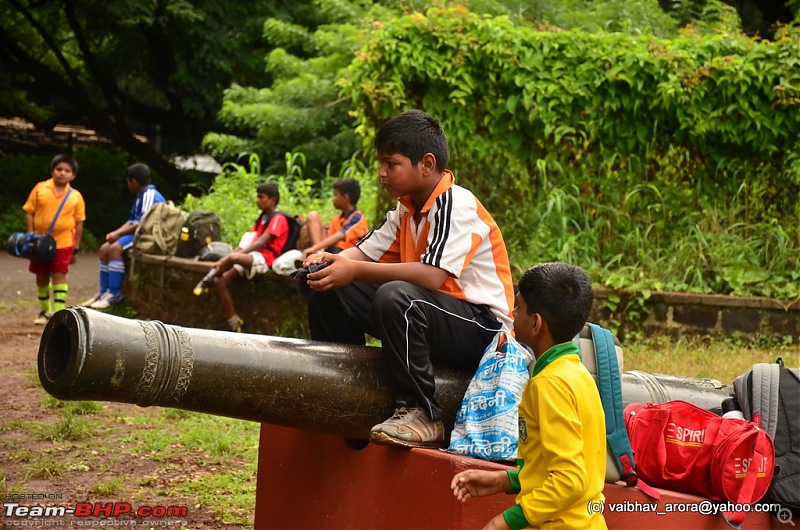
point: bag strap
(58, 212)
(611, 396)
(735, 519)
(158, 235)
(289, 218)
(267, 222)
(766, 379)
(610, 385)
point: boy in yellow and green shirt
(561, 458)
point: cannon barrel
(333, 388)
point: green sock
(60, 296)
(44, 298)
(235, 323)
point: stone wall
(160, 288)
(678, 314)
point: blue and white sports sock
(116, 275)
(103, 276)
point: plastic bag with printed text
(486, 425)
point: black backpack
(200, 228)
(294, 230)
(772, 392)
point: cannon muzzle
(333, 388)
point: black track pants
(417, 327)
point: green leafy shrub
(654, 163)
(233, 193)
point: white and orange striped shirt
(456, 234)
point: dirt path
(36, 465)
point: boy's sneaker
(42, 319)
(203, 287)
(107, 300)
(205, 284)
(90, 301)
(409, 427)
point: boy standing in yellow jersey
(433, 282)
(561, 462)
(40, 209)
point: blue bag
(486, 425)
(36, 247)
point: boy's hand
(479, 483)
(340, 271)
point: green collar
(559, 350)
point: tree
(128, 67)
(302, 108)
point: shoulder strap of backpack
(610, 386)
(58, 212)
(268, 221)
(765, 382)
(151, 223)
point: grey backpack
(769, 396)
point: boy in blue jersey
(561, 460)
(112, 265)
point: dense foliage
(657, 163)
(303, 110)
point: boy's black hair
(138, 172)
(67, 159)
(270, 189)
(562, 294)
(414, 133)
(349, 187)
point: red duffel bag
(682, 447)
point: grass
(45, 466)
(209, 459)
(719, 358)
(107, 488)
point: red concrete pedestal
(313, 480)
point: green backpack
(200, 228)
(159, 230)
